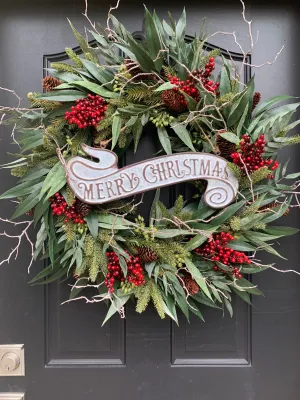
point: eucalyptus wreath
(187, 256)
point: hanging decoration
(214, 133)
(102, 181)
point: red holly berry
(189, 86)
(250, 157)
(60, 207)
(204, 74)
(215, 249)
(87, 112)
(134, 271)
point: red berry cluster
(215, 249)
(204, 74)
(134, 271)
(250, 157)
(87, 112)
(187, 87)
(60, 207)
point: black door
(68, 355)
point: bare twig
(23, 234)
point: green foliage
(70, 230)
(212, 53)
(19, 172)
(178, 212)
(79, 138)
(168, 70)
(147, 292)
(95, 260)
(44, 104)
(49, 162)
(235, 224)
(63, 67)
(74, 57)
(255, 177)
(144, 94)
(83, 43)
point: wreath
(192, 254)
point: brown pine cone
(267, 207)
(75, 276)
(256, 100)
(146, 254)
(226, 148)
(190, 285)
(30, 212)
(134, 69)
(173, 100)
(82, 208)
(49, 83)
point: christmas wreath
(190, 255)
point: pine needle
(63, 67)
(74, 57)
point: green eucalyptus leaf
(196, 274)
(22, 189)
(62, 95)
(183, 134)
(26, 205)
(164, 140)
(243, 295)
(143, 58)
(95, 88)
(92, 223)
(154, 44)
(116, 129)
(268, 104)
(54, 181)
(231, 137)
(165, 86)
(98, 72)
(225, 85)
(180, 26)
(117, 304)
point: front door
(252, 356)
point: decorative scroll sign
(100, 182)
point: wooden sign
(100, 182)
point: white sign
(100, 182)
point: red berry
(87, 112)
(215, 249)
(250, 158)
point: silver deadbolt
(12, 360)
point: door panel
(68, 355)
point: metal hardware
(12, 396)
(12, 361)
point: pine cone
(134, 69)
(256, 100)
(75, 276)
(82, 208)
(173, 100)
(226, 148)
(49, 83)
(267, 207)
(146, 254)
(30, 212)
(190, 285)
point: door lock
(12, 396)
(12, 360)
